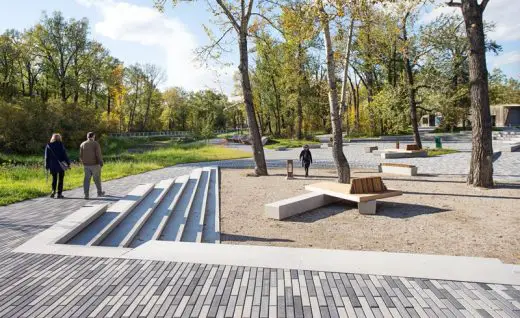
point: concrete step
(118, 233)
(211, 222)
(183, 209)
(116, 213)
(174, 226)
(82, 225)
(194, 203)
(165, 186)
(180, 184)
(196, 215)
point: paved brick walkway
(35, 285)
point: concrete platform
(400, 169)
(370, 149)
(475, 269)
(400, 153)
(283, 209)
(510, 146)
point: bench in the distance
(398, 168)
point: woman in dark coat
(306, 158)
(56, 161)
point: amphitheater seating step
(182, 209)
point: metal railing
(164, 133)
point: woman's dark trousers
(57, 177)
(306, 166)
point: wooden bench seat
(412, 147)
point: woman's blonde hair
(56, 137)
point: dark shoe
(86, 197)
(60, 196)
(100, 194)
(53, 194)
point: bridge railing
(152, 134)
(163, 133)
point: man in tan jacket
(90, 156)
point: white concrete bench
(398, 168)
(370, 149)
(283, 209)
(398, 153)
(510, 146)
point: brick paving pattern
(34, 285)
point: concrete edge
(457, 268)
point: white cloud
(503, 13)
(512, 57)
(146, 26)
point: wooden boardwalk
(35, 285)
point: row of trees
(54, 78)
(358, 67)
(370, 62)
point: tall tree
(60, 42)
(154, 76)
(481, 166)
(340, 160)
(410, 78)
(239, 16)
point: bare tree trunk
(412, 102)
(481, 167)
(299, 106)
(148, 104)
(278, 106)
(370, 97)
(355, 98)
(256, 139)
(340, 160)
(344, 86)
(108, 105)
(411, 87)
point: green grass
(289, 143)
(439, 152)
(21, 182)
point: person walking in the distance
(56, 161)
(90, 156)
(306, 159)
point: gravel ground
(436, 215)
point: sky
(135, 32)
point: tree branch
(420, 107)
(454, 4)
(269, 21)
(229, 15)
(249, 9)
(483, 5)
